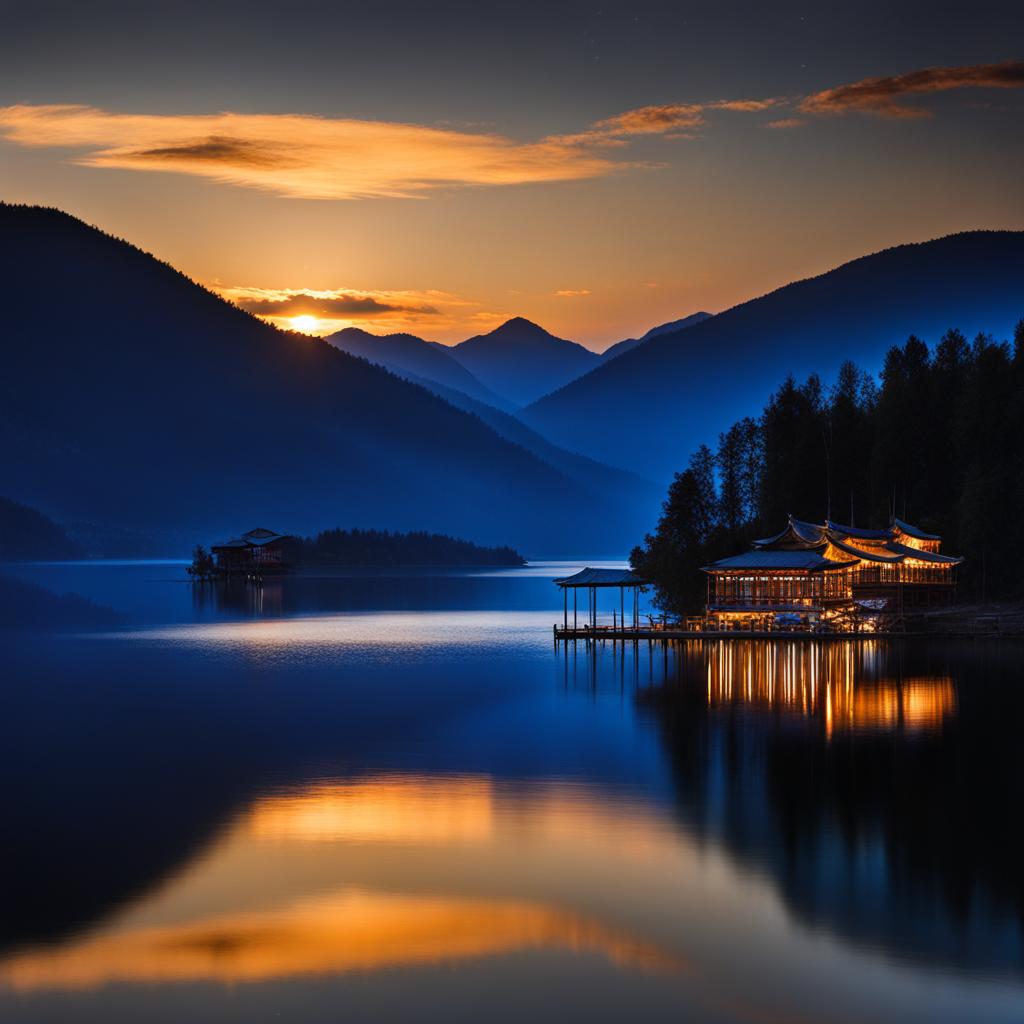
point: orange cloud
(335, 308)
(673, 120)
(300, 156)
(653, 120)
(306, 157)
(786, 122)
(571, 293)
(881, 96)
(326, 304)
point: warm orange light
(822, 683)
(394, 810)
(304, 324)
(335, 933)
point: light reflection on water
(414, 853)
(842, 684)
(384, 633)
(395, 813)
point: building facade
(829, 575)
(256, 553)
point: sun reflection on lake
(457, 884)
(335, 933)
(380, 810)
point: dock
(668, 633)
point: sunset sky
(437, 168)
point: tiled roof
(601, 578)
(808, 561)
(913, 531)
(925, 556)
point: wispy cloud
(303, 156)
(309, 157)
(571, 293)
(334, 308)
(882, 96)
(674, 120)
(327, 305)
(298, 155)
(661, 119)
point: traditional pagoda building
(256, 553)
(830, 576)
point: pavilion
(593, 580)
(818, 574)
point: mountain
(590, 472)
(26, 606)
(676, 325)
(650, 407)
(136, 399)
(621, 347)
(27, 535)
(521, 361)
(407, 356)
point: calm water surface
(388, 797)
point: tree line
(384, 548)
(937, 439)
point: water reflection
(841, 686)
(337, 933)
(385, 809)
(438, 870)
(377, 811)
(873, 789)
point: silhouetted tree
(730, 465)
(202, 566)
(672, 556)
(795, 472)
(383, 547)
(937, 440)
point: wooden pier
(639, 633)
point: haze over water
(389, 797)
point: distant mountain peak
(522, 361)
(520, 325)
(352, 332)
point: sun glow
(305, 324)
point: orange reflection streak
(431, 811)
(825, 682)
(338, 933)
(434, 827)
(400, 809)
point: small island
(262, 552)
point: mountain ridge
(677, 396)
(173, 410)
(627, 344)
(407, 354)
(521, 361)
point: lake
(389, 797)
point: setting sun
(305, 324)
